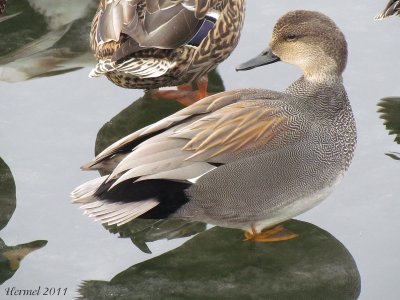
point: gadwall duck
(391, 9)
(147, 44)
(248, 158)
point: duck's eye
(291, 37)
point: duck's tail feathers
(108, 211)
(85, 192)
(117, 213)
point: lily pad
(141, 231)
(11, 256)
(389, 109)
(218, 264)
(7, 194)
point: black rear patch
(170, 194)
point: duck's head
(306, 39)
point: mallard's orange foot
(182, 96)
(185, 97)
(192, 97)
(274, 234)
(202, 86)
(184, 93)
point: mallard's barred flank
(391, 9)
(248, 158)
(147, 44)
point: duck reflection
(389, 110)
(44, 38)
(142, 112)
(142, 231)
(10, 256)
(314, 266)
(2, 6)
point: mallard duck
(247, 158)
(391, 9)
(147, 44)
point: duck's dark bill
(265, 58)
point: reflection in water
(389, 109)
(44, 38)
(144, 111)
(10, 256)
(2, 6)
(141, 231)
(216, 263)
(8, 199)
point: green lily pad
(21, 29)
(7, 194)
(141, 231)
(218, 264)
(11, 256)
(389, 109)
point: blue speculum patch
(207, 24)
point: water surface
(53, 117)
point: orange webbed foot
(184, 94)
(274, 234)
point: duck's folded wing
(200, 109)
(164, 24)
(195, 140)
(164, 159)
(226, 134)
(193, 149)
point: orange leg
(202, 85)
(274, 234)
(184, 93)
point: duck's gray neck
(324, 98)
(327, 103)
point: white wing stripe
(142, 68)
